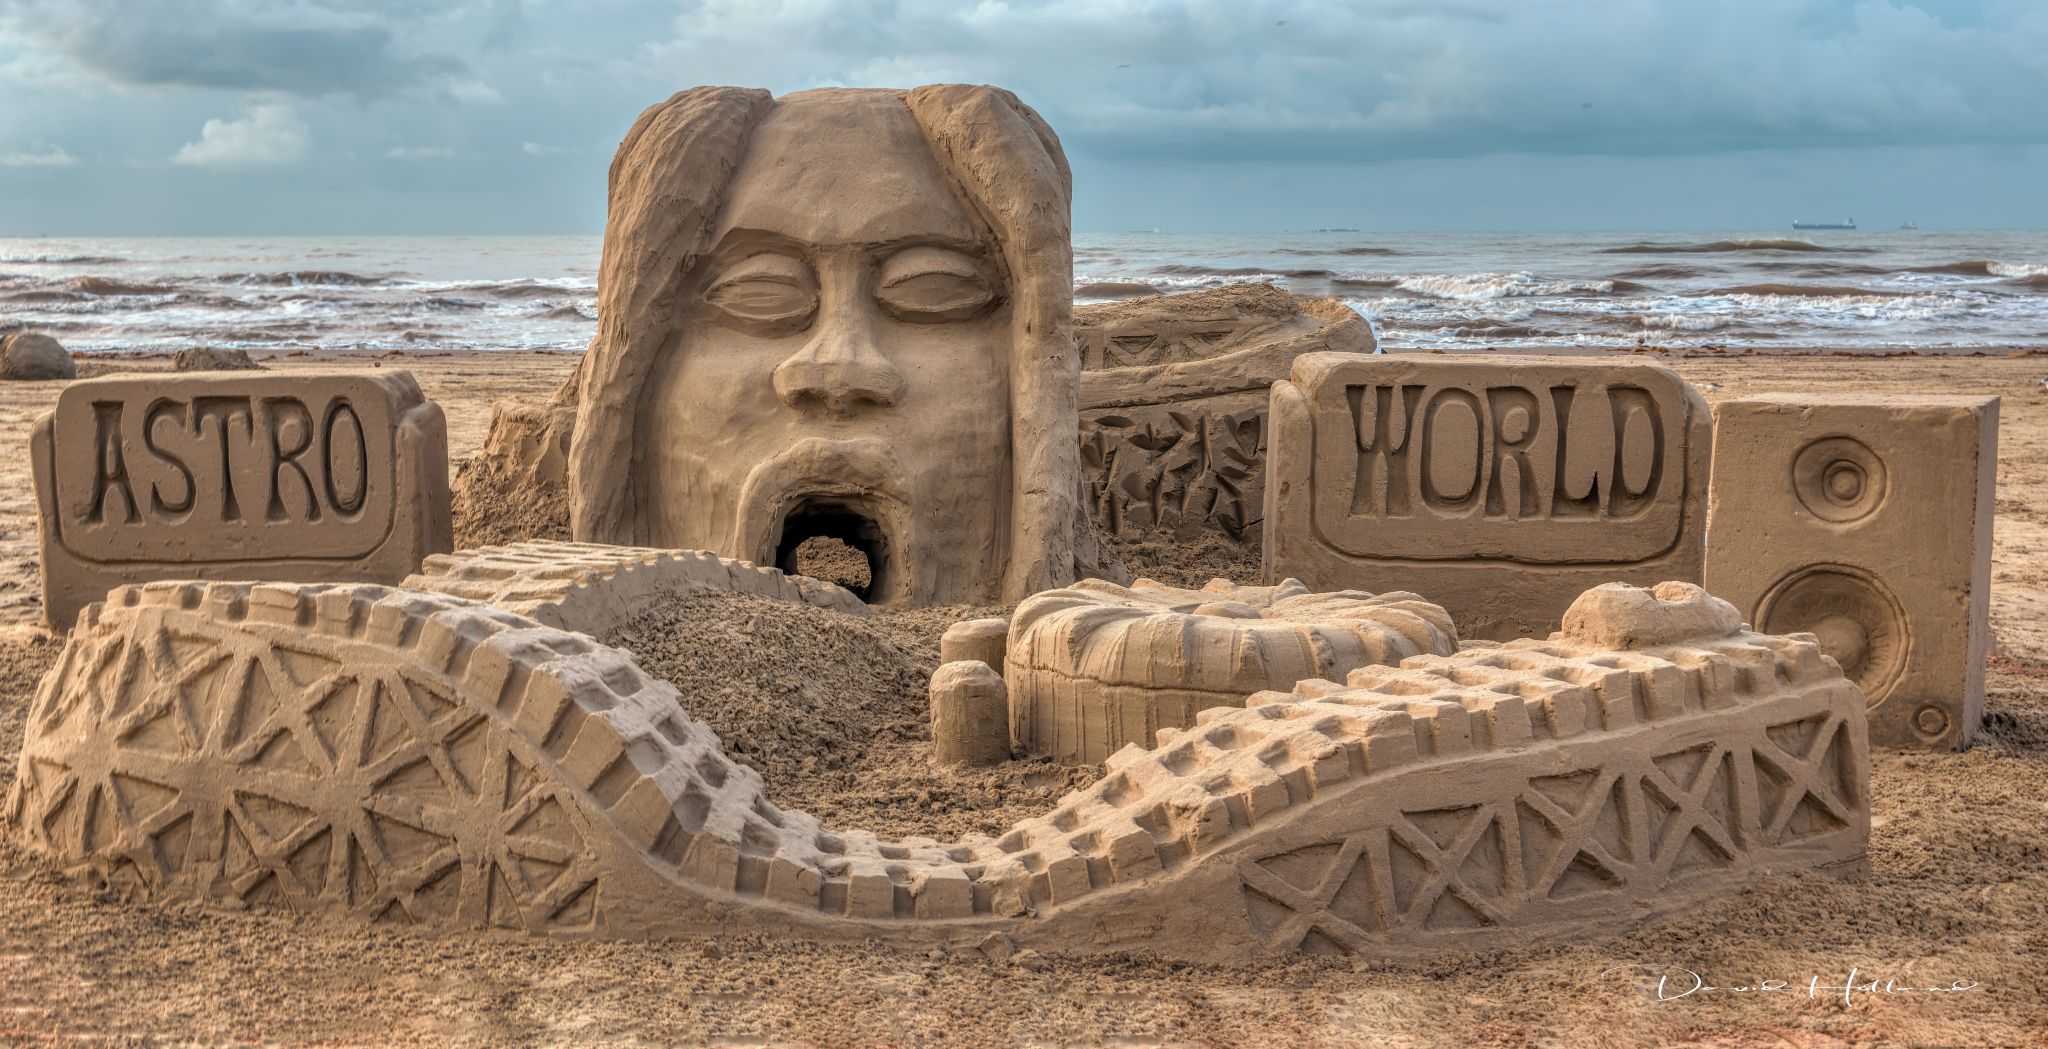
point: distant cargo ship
(1796, 224)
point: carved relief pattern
(1858, 619)
(1626, 829)
(1177, 467)
(1164, 343)
(296, 776)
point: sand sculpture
(1173, 401)
(1867, 522)
(593, 589)
(396, 755)
(213, 359)
(840, 313)
(1501, 492)
(970, 714)
(31, 355)
(847, 314)
(315, 476)
(982, 640)
(1092, 668)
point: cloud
(419, 153)
(1153, 98)
(1322, 79)
(269, 135)
(299, 48)
(50, 157)
(472, 91)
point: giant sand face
(850, 310)
(847, 348)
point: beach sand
(1957, 891)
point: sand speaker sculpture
(1501, 491)
(402, 756)
(1092, 668)
(311, 476)
(1867, 522)
(842, 313)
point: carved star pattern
(254, 793)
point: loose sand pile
(832, 711)
(834, 562)
(1190, 562)
(493, 506)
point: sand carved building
(1174, 392)
(392, 755)
(1867, 522)
(1097, 666)
(1500, 492)
(842, 313)
(316, 476)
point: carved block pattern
(1161, 341)
(1607, 837)
(291, 774)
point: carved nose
(840, 374)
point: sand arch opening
(836, 542)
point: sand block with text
(314, 476)
(1498, 488)
(1866, 521)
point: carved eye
(773, 291)
(934, 285)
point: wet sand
(1958, 887)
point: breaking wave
(305, 278)
(90, 285)
(1182, 269)
(1811, 291)
(64, 260)
(1498, 286)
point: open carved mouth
(834, 540)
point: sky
(274, 117)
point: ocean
(1866, 290)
